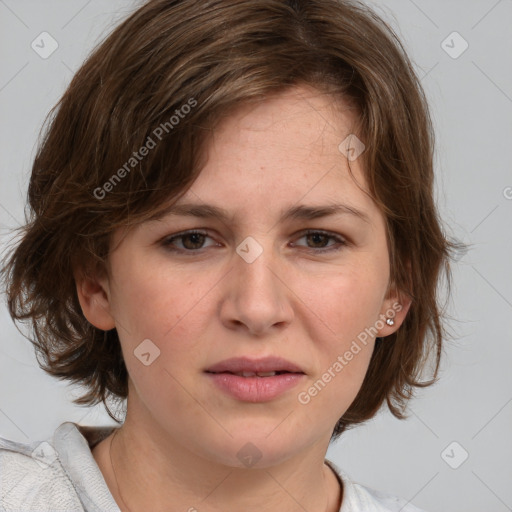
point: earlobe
(95, 302)
(393, 314)
(396, 305)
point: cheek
(342, 309)
(153, 301)
(161, 317)
(345, 302)
(331, 393)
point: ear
(396, 304)
(94, 296)
(394, 307)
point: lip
(255, 389)
(247, 364)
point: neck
(148, 470)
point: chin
(255, 452)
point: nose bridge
(258, 298)
(253, 267)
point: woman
(233, 227)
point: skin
(181, 436)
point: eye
(189, 241)
(319, 240)
(194, 241)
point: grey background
(471, 99)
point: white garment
(61, 475)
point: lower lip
(255, 389)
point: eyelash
(168, 242)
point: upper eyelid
(321, 232)
(207, 232)
(340, 238)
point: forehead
(300, 118)
(289, 146)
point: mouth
(270, 366)
(251, 379)
(256, 374)
(255, 386)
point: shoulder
(383, 502)
(57, 474)
(32, 478)
(359, 498)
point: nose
(256, 298)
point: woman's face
(276, 276)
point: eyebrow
(300, 212)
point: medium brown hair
(214, 56)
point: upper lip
(247, 364)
